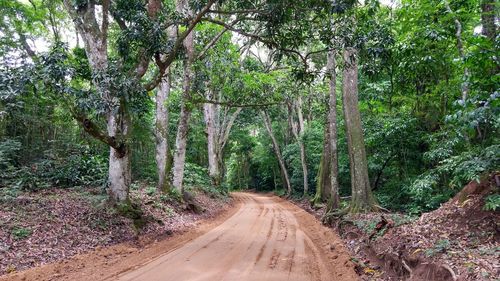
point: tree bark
(323, 183)
(218, 127)
(185, 114)
(209, 113)
(489, 14)
(161, 134)
(460, 47)
(362, 197)
(302, 147)
(119, 160)
(298, 132)
(277, 151)
(334, 202)
(94, 35)
(223, 136)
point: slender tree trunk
(161, 134)
(332, 129)
(209, 112)
(298, 132)
(223, 131)
(185, 114)
(277, 151)
(460, 47)
(362, 197)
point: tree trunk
(334, 202)
(185, 114)
(209, 112)
(460, 47)
(323, 183)
(298, 132)
(161, 134)
(223, 137)
(95, 34)
(489, 15)
(119, 160)
(302, 147)
(277, 151)
(362, 197)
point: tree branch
(230, 104)
(92, 129)
(247, 11)
(214, 40)
(163, 65)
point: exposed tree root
(191, 203)
(331, 216)
(407, 268)
(452, 273)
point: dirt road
(263, 240)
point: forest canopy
(360, 105)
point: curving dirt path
(264, 240)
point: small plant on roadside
(175, 194)
(170, 212)
(367, 226)
(19, 233)
(134, 186)
(151, 191)
(441, 246)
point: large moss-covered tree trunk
(119, 159)
(333, 168)
(323, 188)
(362, 197)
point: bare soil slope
(43, 227)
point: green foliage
(79, 167)
(175, 194)
(19, 233)
(441, 246)
(492, 202)
(151, 190)
(9, 155)
(196, 175)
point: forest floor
(458, 241)
(47, 226)
(262, 237)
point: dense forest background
(427, 90)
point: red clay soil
(264, 238)
(458, 241)
(37, 228)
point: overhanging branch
(230, 104)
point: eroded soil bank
(458, 241)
